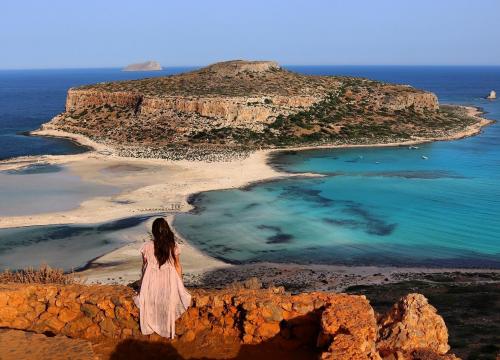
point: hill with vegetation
(244, 105)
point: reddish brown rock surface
(21, 345)
(233, 323)
(412, 325)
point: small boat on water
(424, 157)
(492, 95)
(412, 147)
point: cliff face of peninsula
(240, 111)
(245, 104)
(328, 325)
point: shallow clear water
(42, 188)
(379, 206)
(65, 246)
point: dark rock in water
(279, 238)
(38, 168)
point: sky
(114, 33)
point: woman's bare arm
(143, 269)
(178, 265)
(144, 264)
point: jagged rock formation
(145, 66)
(339, 326)
(403, 326)
(252, 104)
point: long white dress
(163, 297)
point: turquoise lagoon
(379, 206)
(438, 205)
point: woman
(162, 298)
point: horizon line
(283, 65)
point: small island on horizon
(144, 66)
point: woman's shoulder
(146, 246)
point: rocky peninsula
(234, 107)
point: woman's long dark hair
(164, 241)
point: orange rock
(7, 313)
(247, 339)
(268, 330)
(107, 306)
(253, 315)
(248, 328)
(128, 305)
(23, 308)
(345, 347)
(54, 324)
(272, 312)
(52, 309)
(229, 322)
(93, 332)
(128, 323)
(344, 325)
(39, 308)
(20, 323)
(200, 301)
(189, 336)
(4, 299)
(413, 324)
(287, 306)
(350, 322)
(126, 333)
(15, 300)
(30, 316)
(77, 326)
(108, 328)
(89, 310)
(45, 316)
(217, 312)
(302, 308)
(67, 315)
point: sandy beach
(159, 186)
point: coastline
(165, 184)
(469, 131)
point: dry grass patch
(43, 275)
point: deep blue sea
(378, 206)
(375, 206)
(29, 98)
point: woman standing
(163, 297)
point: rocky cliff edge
(334, 326)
